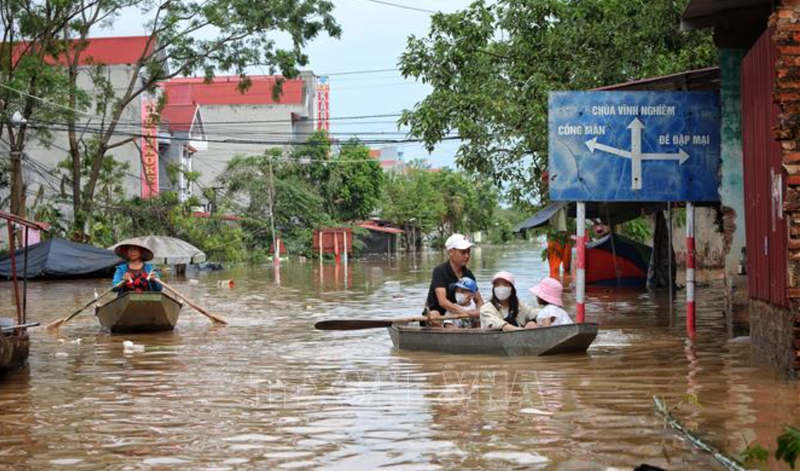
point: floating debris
(130, 347)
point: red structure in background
(332, 240)
(323, 104)
(281, 245)
(149, 149)
(224, 90)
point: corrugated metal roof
(224, 91)
(105, 51)
(179, 117)
(377, 228)
(692, 80)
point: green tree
(237, 34)
(298, 207)
(443, 201)
(355, 183)
(491, 67)
(412, 199)
(30, 31)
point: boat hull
(573, 338)
(14, 350)
(139, 312)
(618, 261)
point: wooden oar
(58, 323)
(358, 324)
(214, 318)
(12, 328)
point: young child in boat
(465, 290)
(548, 294)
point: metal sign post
(690, 265)
(642, 147)
(580, 272)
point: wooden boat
(14, 348)
(573, 338)
(616, 260)
(150, 311)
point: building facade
(236, 122)
(181, 137)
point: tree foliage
(443, 201)
(351, 182)
(310, 189)
(491, 67)
(355, 183)
(184, 37)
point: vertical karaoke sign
(634, 146)
(149, 148)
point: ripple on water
(268, 386)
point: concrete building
(114, 58)
(200, 129)
(390, 158)
(240, 123)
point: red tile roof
(224, 91)
(179, 117)
(105, 51)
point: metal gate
(764, 177)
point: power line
(242, 141)
(137, 123)
(359, 72)
(397, 5)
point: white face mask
(502, 292)
(462, 298)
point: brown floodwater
(269, 392)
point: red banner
(149, 149)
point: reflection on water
(269, 392)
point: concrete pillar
(732, 189)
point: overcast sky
(373, 37)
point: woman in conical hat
(137, 274)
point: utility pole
(275, 251)
(16, 144)
(17, 185)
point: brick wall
(771, 333)
(777, 332)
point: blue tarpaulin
(60, 258)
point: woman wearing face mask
(505, 311)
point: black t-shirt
(443, 277)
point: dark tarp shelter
(60, 258)
(381, 239)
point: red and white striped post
(336, 253)
(690, 265)
(580, 272)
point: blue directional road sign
(634, 146)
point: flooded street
(269, 392)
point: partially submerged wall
(772, 334)
(776, 330)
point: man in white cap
(441, 297)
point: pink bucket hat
(503, 275)
(549, 289)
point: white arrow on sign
(635, 154)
